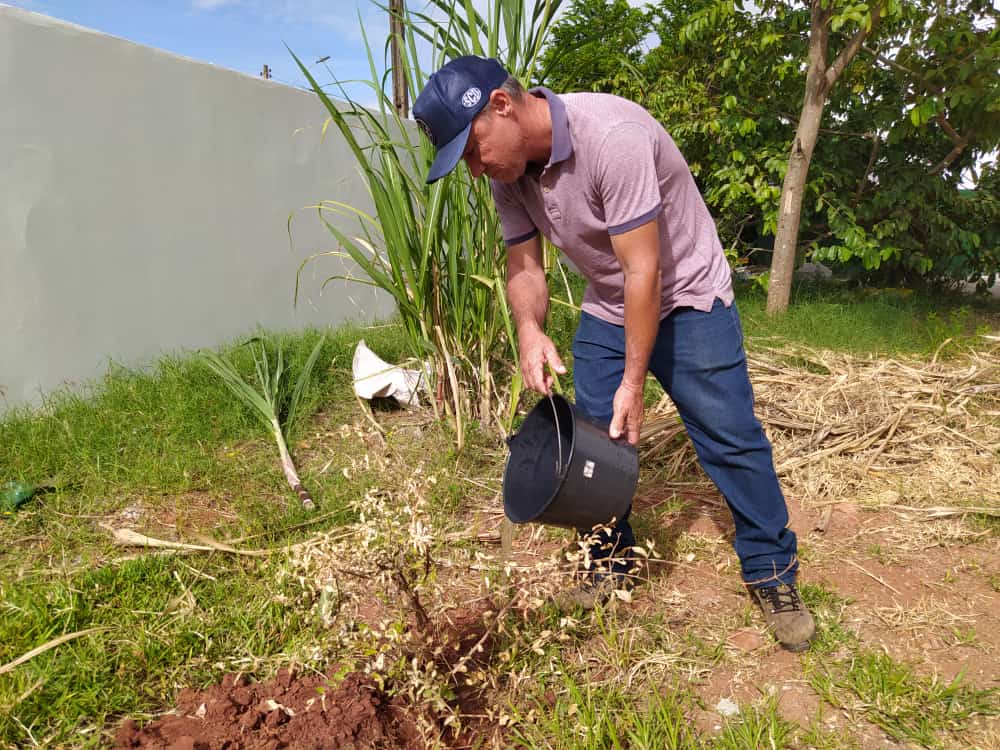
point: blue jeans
(699, 360)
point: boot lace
(781, 598)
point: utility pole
(400, 97)
(266, 72)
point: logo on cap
(426, 130)
(471, 97)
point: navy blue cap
(450, 101)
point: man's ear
(501, 103)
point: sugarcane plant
(269, 398)
(437, 249)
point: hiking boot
(595, 590)
(786, 615)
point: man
(602, 179)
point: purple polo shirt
(613, 168)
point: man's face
(495, 144)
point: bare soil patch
(312, 712)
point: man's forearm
(528, 297)
(642, 321)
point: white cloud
(339, 15)
(212, 4)
(374, 20)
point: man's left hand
(628, 412)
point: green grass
(864, 321)
(155, 430)
(828, 609)
(173, 447)
(589, 717)
(169, 623)
(907, 706)
(170, 446)
(840, 318)
(756, 727)
(892, 695)
(152, 437)
(819, 737)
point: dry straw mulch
(917, 436)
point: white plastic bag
(374, 377)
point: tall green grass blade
(262, 409)
(300, 385)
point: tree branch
(903, 69)
(947, 128)
(848, 53)
(863, 183)
(960, 145)
(819, 40)
(959, 142)
(848, 133)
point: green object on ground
(15, 494)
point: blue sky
(240, 34)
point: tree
(827, 18)
(931, 112)
(590, 43)
(881, 193)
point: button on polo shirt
(614, 168)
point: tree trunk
(790, 211)
(819, 80)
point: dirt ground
(898, 545)
(910, 604)
(913, 604)
(290, 711)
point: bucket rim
(556, 400)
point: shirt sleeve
(516, 224)
(626, 178)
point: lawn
(400, 574)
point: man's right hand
(537, 350)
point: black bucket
(565, 470)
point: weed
(586, 716)
(755, 727)
(820, 737)
(964, 636)
(693, 546)
(883, 554)
(805, 552)
(675, 505)
(702, 650)
(952, 326)
(984, 522)
(905, 705)
(828, 608)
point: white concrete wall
(143, 205)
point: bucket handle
(555, 416)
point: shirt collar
(562, 145)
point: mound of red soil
(289, 711)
